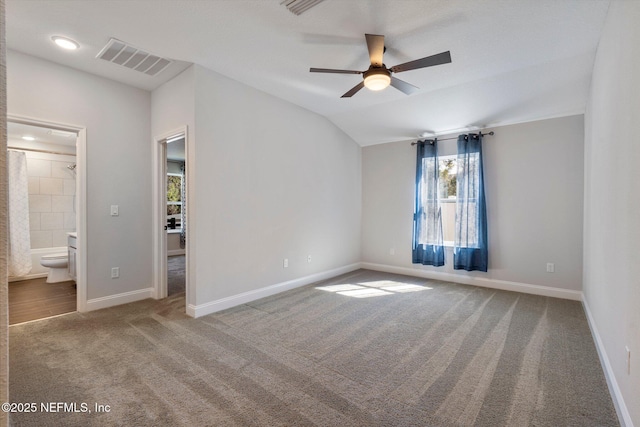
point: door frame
(81, 198)
(159, 188)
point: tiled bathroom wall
(52, 189)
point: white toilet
(57, 265)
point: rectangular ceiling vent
(299, 6)
(124, 54)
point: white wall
(117, 119)
(534, 182)
(172, 107)
(612, 199)
(173, 104)
(274, 181)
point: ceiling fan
(378, 76)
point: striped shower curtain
(19, 238)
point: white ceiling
(512, 60)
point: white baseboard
(504, 285)
(191, 310)
(616, 395)
(175, 252)
(245, 297)
(118, 299)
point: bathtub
(38, 270)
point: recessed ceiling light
(28, 138)
(65, 42)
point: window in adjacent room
(174, 200)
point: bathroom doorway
(46, 193)
(171, 222)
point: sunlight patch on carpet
(373, 288)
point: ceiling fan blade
(403, 86)
(329, 70)
(375, 44)
(429, 61)
(353, 90)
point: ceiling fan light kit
(378, 76)
(377, 79)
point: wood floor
(35, 299)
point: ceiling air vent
(133, 58)
(299, 6)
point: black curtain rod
(455, 137)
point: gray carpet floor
(362, 349)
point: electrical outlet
(551, 267)
(392, 251)
(628, 360)
(309, 259)
(115, 272)
(115, 210)
(285, 263)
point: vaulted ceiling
(512, 60)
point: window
(450, 207)
(174, 200)
(446, 206)
(447, 200)
(429, 212)
(447, 183)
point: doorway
(170, 221)
(49, 274)
(176, 215)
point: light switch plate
(115, 211)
